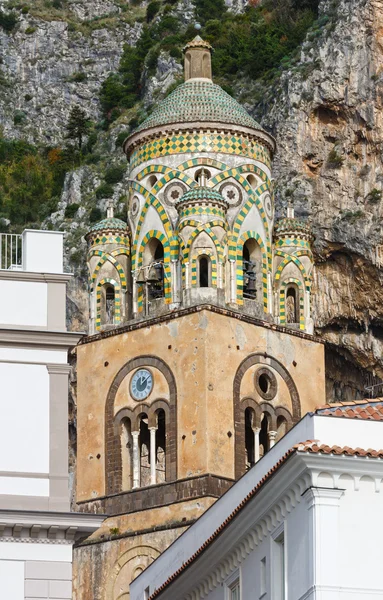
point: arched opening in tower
(144, 451)
(249, 437)
(204, 271)
(264, 443)
(252, 270)
(161, 447)
(292, 304)
(126, 455)
(281, 428)
(154, 263)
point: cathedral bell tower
(210, 364)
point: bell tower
(203, 372)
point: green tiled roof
(288, 226)
(202, 193)
(197, 100)
(109, 224)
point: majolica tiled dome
(109, 224)
(292, 227)
(202, 101)
(201, 194)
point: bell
(153, 275)
(251, 279)
(141, 277)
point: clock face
(141, 384)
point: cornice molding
(46, 526)
(177, 314)
(35, 277)
(39, 338)
(58, 369)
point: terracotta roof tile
(310, 446)
(359, 409)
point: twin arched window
(143, 452)
(262, 431)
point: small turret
(109, 272)
(198, 59)
(293, 264)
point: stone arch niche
(113, 463)
(126, 568)
(240, 404)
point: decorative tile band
(293, 242)
(109, 238)
(292, 258)
(282, 303)
(191, 141)
(239, 276)
(103, 258)
(117, 301)
(205, 162)
(204, 210)
(206, 227)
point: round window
(265, 383)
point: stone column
(135, 294)
(270, 293)
(136, 459)
(272, 435)
(153, 455)
(187, 276)
(233, 282)
(58, 437)
(256, 431)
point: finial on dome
(110, 210)
(197, 59)
(290, 209)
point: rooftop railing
(11, 251)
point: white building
(304, 523)
(37, 531)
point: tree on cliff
(78, 125)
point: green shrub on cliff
(255, 44)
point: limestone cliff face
(49, 65)
(327, 118)
(325, 112)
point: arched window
(126, 454)
(252, 180)
(292, 304)
(282, 427)
(152, 180)
(252, 270)
(204, 271)
(144, 451)
(249, 437)
(161, 447)
(264, 443)
(109, 304)
(153, 260)
(202, 176)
